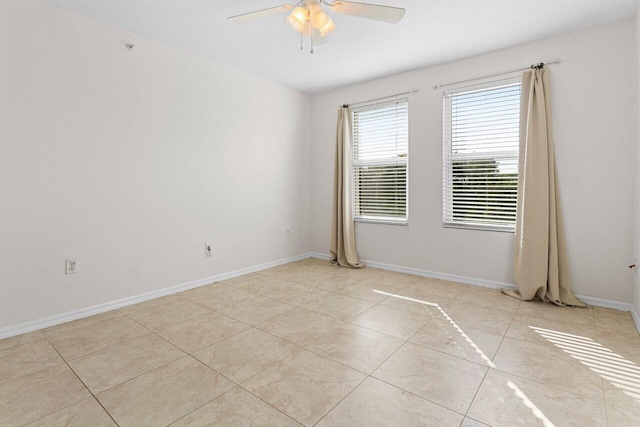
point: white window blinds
(380, 161)
(481, 140)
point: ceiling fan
(309, 19)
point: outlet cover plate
(71, 266)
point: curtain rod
(411, 92)
(540, 65)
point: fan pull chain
(312, 40)
(301, 40)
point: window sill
(498, 228)
(382, 221)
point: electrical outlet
(71, 266)
(207, 249)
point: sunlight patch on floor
(529, 404)
(622, 373)
(454, 324)
(516, 390)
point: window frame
(447, 156)
(403, 221)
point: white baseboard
(636, 318)
(598, 302)
(319, 255)
(431, 274)
(605, 303)
(57, 319)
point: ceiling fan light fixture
(317, 16)
(307, 29)
(297, 18)
(314, 33)
(320, 19)
(309, 19)
(327, 27)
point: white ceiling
(432, 32)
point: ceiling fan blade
(259, 14)
(389, 14)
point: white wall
(636, 217)
(130, 161)
(593, 107)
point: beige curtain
(541, 268)
(343, 241)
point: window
(481, 141)
(380, 161)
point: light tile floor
(309, 343)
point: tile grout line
(337, 291)
(524, 378)
(305, 346)
(222, 394)
(92, 397)
(273, 364)
(422, 327)
(33, 372)
(109, 347)
(83, 383)
(383, 362)
(219, 341)
(192, 319)
(489, 368)
(104, 348)
(379, 303)
(262, 400)
(340, 401)
(270, 297)
(539, 382)
(112, 345)
(203, 405)
(249, 326)
(300, 348)
(409, 341)
(635, 411)
(146, 372)
(417, 395)
(287, 302)
(231, 317)
(329, 317)
(368, 375)
(235, 384)
(386, 335)
(445, 353)
(297, 350)
(484, 377)
(604, 397)
(186, 354)
(20, 344)
(209, 367)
